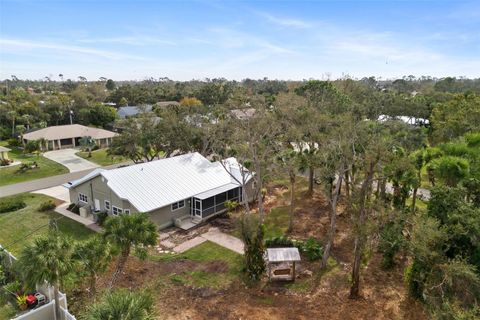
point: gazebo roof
(283, 254)
(3, 149)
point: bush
(312, 248)
(95, 147)
(47, 205)
(101, 217)
(11, 204)
(279, 242)
(31, 146)
(391, 241)
(13, 142)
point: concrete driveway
(68, 158)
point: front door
(97, 204)
(197, 208)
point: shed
(281, 263)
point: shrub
(312, 248)
(391, 240)
(31, 146)
(252, 233)
(11, 204)
(47, 205)
(13, 142)
(95, 147)
(279, 242)
(101, 217)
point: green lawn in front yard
(217, 267)
(21, 227)
(46, 168)
(101, 157)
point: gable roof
(4, 149)
(129, 111)
(67, 132)
(156, 184)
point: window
(82, 197)
(107, 205)
(126, 211)
(116, 211)
(178, 205)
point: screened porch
(213, 201)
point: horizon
(237, 40)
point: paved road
(29, 186)
(67, 158)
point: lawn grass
(276, 222)
(21, 227)
(101, 157)
(204, 253)
(46, 168)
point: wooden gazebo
(281, 263)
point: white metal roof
(212, 192)
(152, 185)
(87, 177)
(283, 254)
(4, 149)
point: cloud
(286, 22)
(130, 40)
(19, 46)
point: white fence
(47, 311)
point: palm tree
(94, 255)
(123, 304)
(88, 143)
(48, 259)
(130, 231)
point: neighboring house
(132, 111)
(182, 190)
(4, 153)
(68, 136)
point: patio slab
(189, 244)
(224, 240)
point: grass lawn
(217, 267)
(276, 222)
(21, 227)
(101, 157)
(46, 168)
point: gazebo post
(293, 271)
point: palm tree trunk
(292, 201)
(56, 297)
(359, 236)
(310, 180)
(333, 221)
(122, 260)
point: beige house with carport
(182, 190)
(68, 136)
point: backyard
(45, 168)
(101, 157)
(206, 282)
(19, 228)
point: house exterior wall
(98, 189)
(165, 217)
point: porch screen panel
(208, 206)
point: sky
(289, 40)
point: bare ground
(325, 295)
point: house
(131, 111)
(182, 190)
(68, 136)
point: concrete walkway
(213, 235)
(58, 192)
(224, 240)
(62, 209)
(67, 158)
(189, 244)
